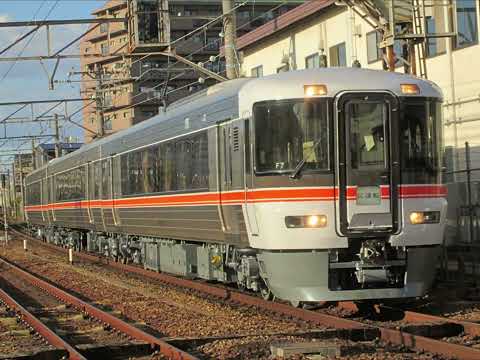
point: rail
(52, 338)
(163, 347)
(394, 336)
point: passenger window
(179, 165)
(367, 132)
(169, 166)
(106, 190)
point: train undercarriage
(367, 265)
(208, 261)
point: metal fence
(461, 256)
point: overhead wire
(27, 43)
(4, 142)
(70, 118)
(193, 53)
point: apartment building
(126, 90)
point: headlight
(315, 90)
(425, 217)
(309, 221)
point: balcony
(147, 98)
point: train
(307, 186)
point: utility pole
(57, 137)
(34, 165)
(229, 27)
(22, 192)
(99, 102)
(14, 191)
(4, 200)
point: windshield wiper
(301, 164)
(298, 169)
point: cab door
(368, 164)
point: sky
(27, 80)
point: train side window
(169, 168)
(105, 179)
(70, 185)
(160, 167)
(183, 155)
(125, 171)
(151, 169)
(199, 178)
(136, 172)
(179, 165)
(97, 176)
(33, 193)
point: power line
(29, 40)
(193, 53)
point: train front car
(344, 193)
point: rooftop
(282, 22)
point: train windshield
(421, 136)
(288, 133)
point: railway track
(69, 323)
(20, 333)
(404, 336)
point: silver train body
(314, 185)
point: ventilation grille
(236, 139)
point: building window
(374, 53)
(107, 123)
(212, 43)
(125, 114)
(431, 42)
(257, 71)
(104, 49)
(338, 55)
(467, 28)
(283, 68)
(312, 61)
(103, 27)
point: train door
(89, 186)
(249, 212)
(368, 164)
(106, 194)
(109, 215)
(51, 197)
(43, 200)
(231, 177)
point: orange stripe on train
(239, 197)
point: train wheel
(297, 304)
(366, 308)
(266, 293)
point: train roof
(290, 84)
(230, 99)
